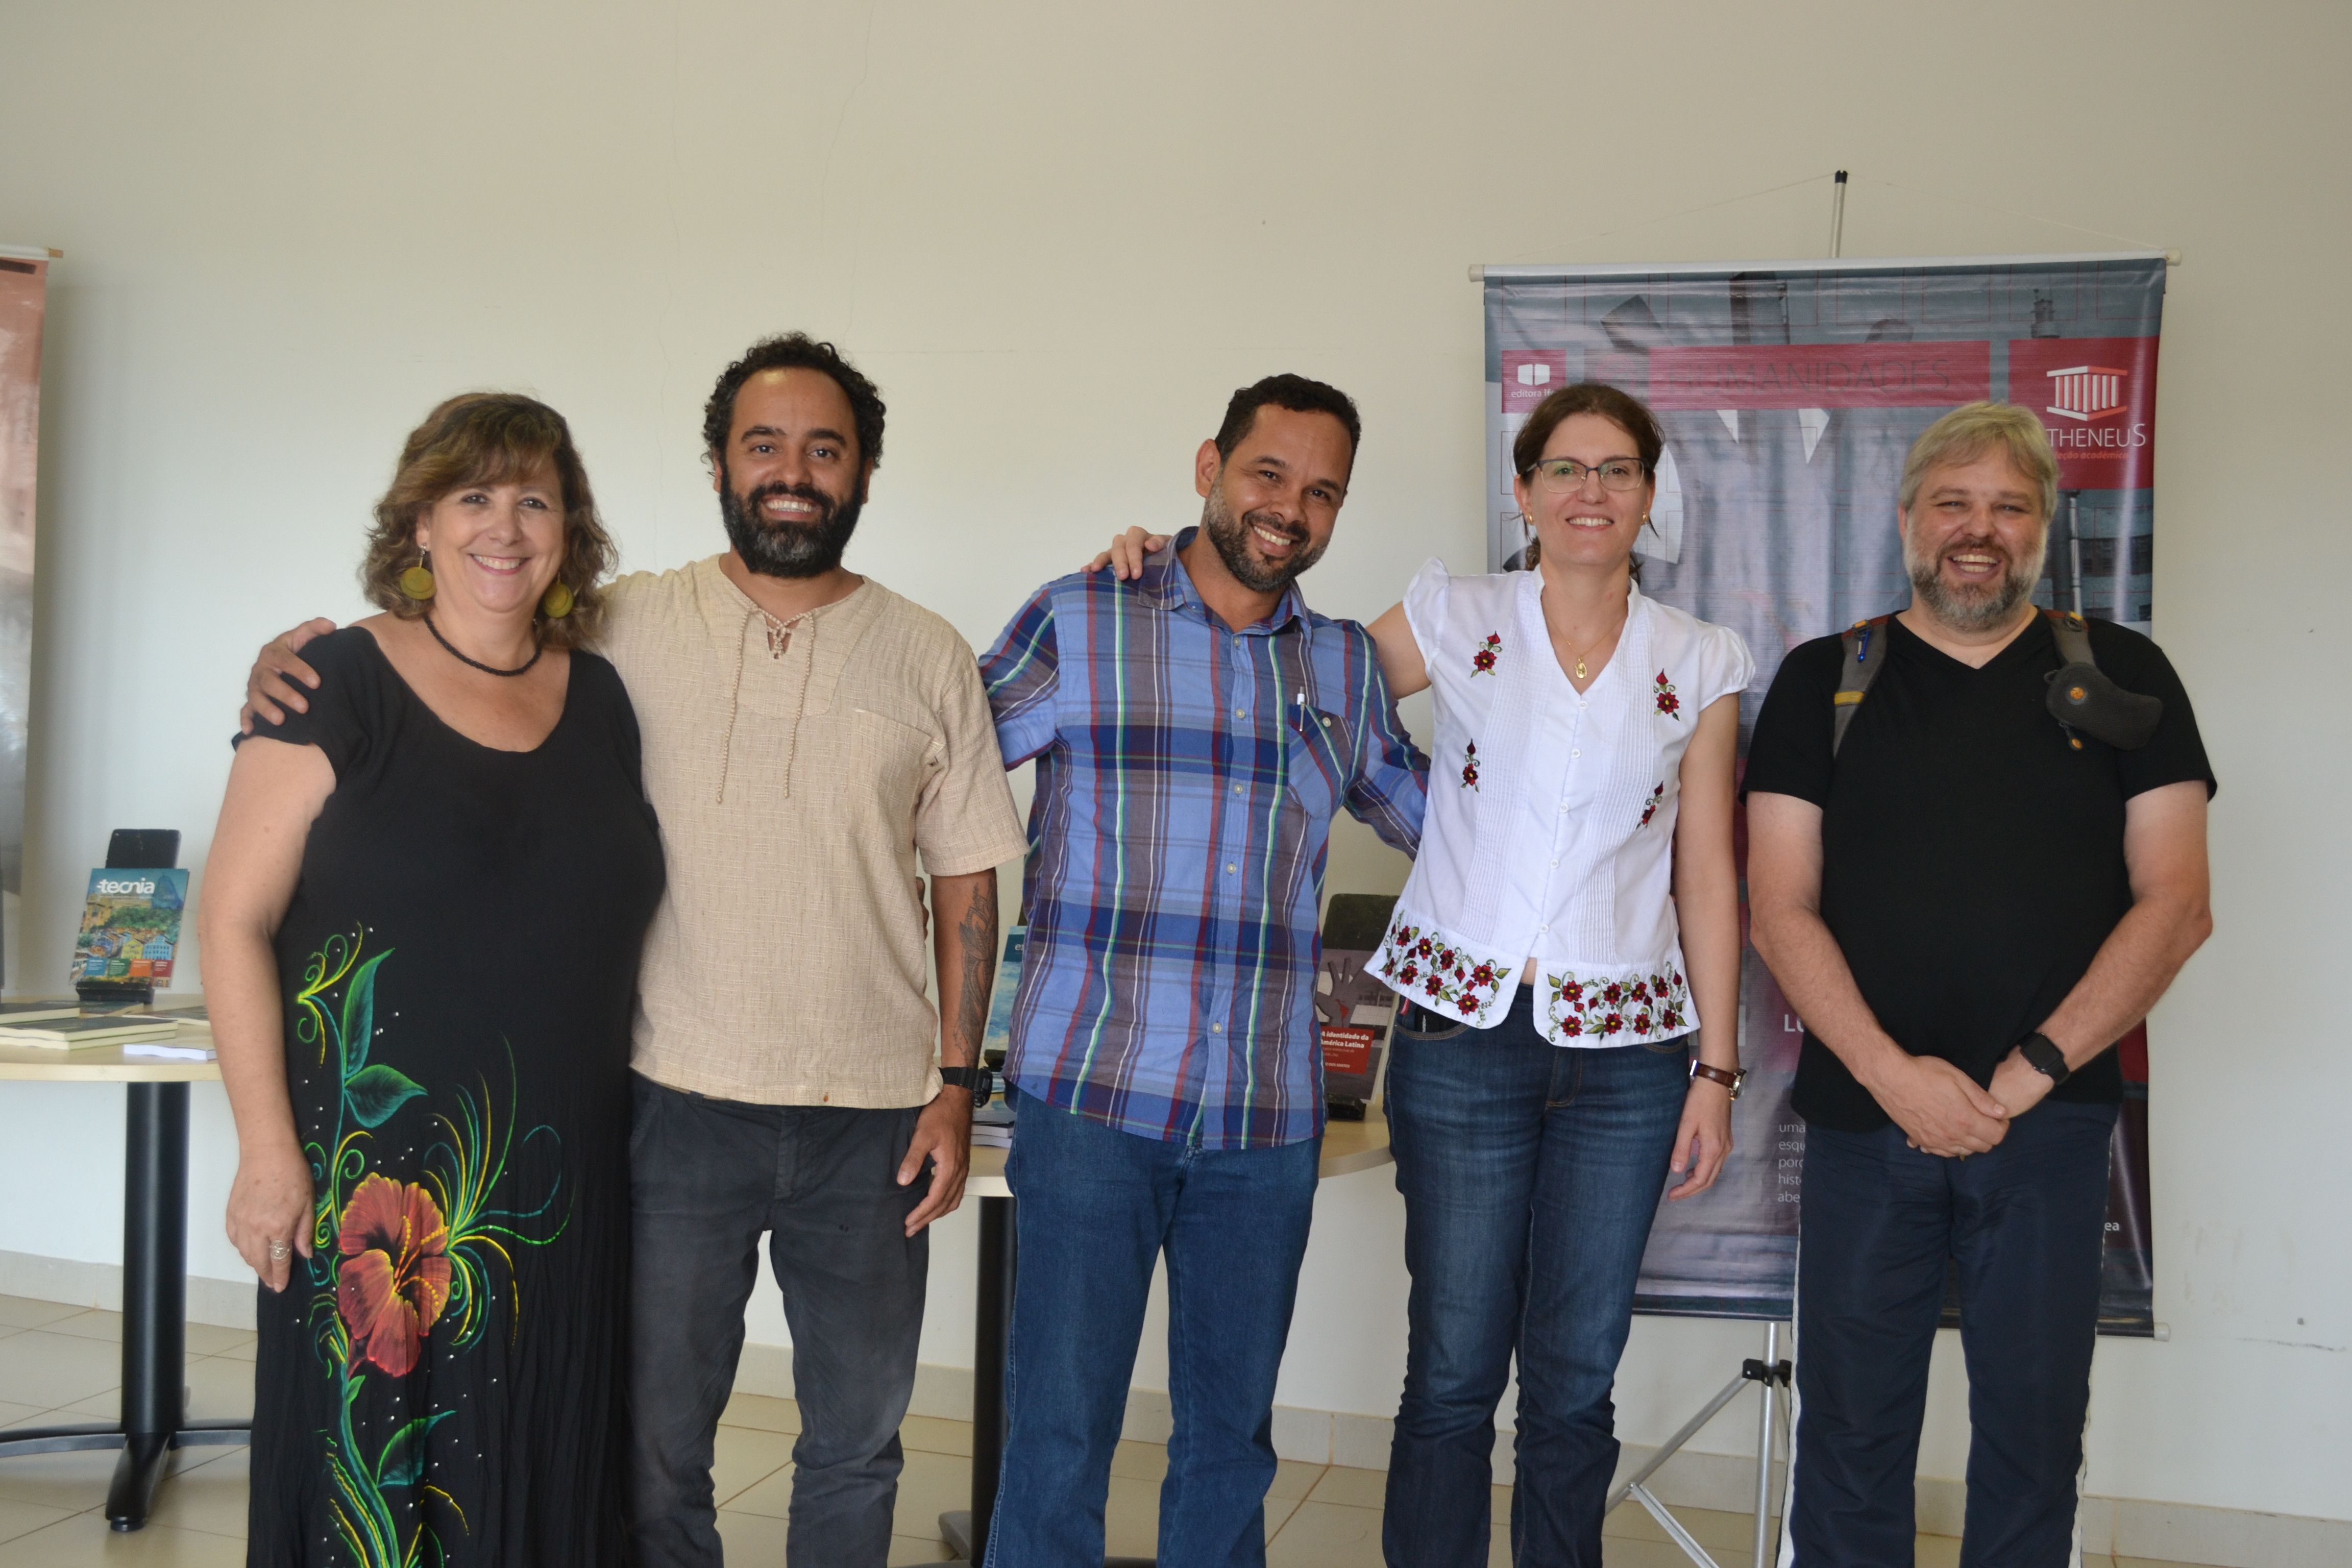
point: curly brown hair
(488, 438)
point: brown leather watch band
(1732, 1080)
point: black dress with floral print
(441, 1381)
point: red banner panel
(1822, 375)
(2096, 397)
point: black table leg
(1000, 1261)
(155, 1294)
(154, 1315)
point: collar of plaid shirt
(1187, 776)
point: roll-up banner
(1789, 393)
(23, 292)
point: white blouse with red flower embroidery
(1551, 813)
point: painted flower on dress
(1668, 703)
(1649, 808)
(1470, 765)
(1657, 1004)
(395, 1277)
(1481, 659)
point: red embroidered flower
(1612, 1023)
(1641, 1023)
(1470, 765)
(395, 1277)
(1651, 809)
(1483, 975)
(1641, 991)
(1444, 958)
(1668, 703)
(1434, 984)
(1423, 948)
(1571, 1026)
(1410, 973)
(1572, 992)
(1612, 993)
(1482, 662)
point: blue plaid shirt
(1187, 776)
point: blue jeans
(2026, 1222)
(1530, 1174)
(1098, 1207)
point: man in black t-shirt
(1967, 905)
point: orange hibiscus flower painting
(395, 1277)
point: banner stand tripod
(1772, 1372)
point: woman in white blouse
(1569, 931)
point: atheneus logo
(1534, 373)
(2086, 392)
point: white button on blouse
(1583, 890)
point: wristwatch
(2045, 1057)
(979, 1080)
(1733, 1081)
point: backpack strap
(1865, 655)
(2074, 638)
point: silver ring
(278, 1251)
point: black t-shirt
(1972, 861)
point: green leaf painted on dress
(402, 1464)
(359, 1016)
(376, 1092)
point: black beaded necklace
(537, 649)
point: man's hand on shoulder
(1938, 1107)
(1127, 553)
(943, 1135)
(270, 682)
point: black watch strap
(2045, 1057)
(979, 1080)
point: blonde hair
(1972, 430)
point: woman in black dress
(421, 921)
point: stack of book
(71, 1033)
(991, 1126)
(179, 1034)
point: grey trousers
(707, 1176)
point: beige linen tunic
(786, 964)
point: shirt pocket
(897, 760)
(1318, 747)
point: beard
(1970, 607)
(788, 549)
(1229, 536)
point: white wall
(1057, 234)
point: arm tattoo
(976, 934)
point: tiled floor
(58, 1365)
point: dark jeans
(1530, 1174)
(1098, 1207)
(2025, 1221)
(707, 1177)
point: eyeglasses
(1558, 474)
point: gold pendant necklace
(1595, 643)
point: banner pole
(1764, 1449)
(1837, 215)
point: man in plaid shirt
(1194, 730)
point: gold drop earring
(557, 602)
(417, 581)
